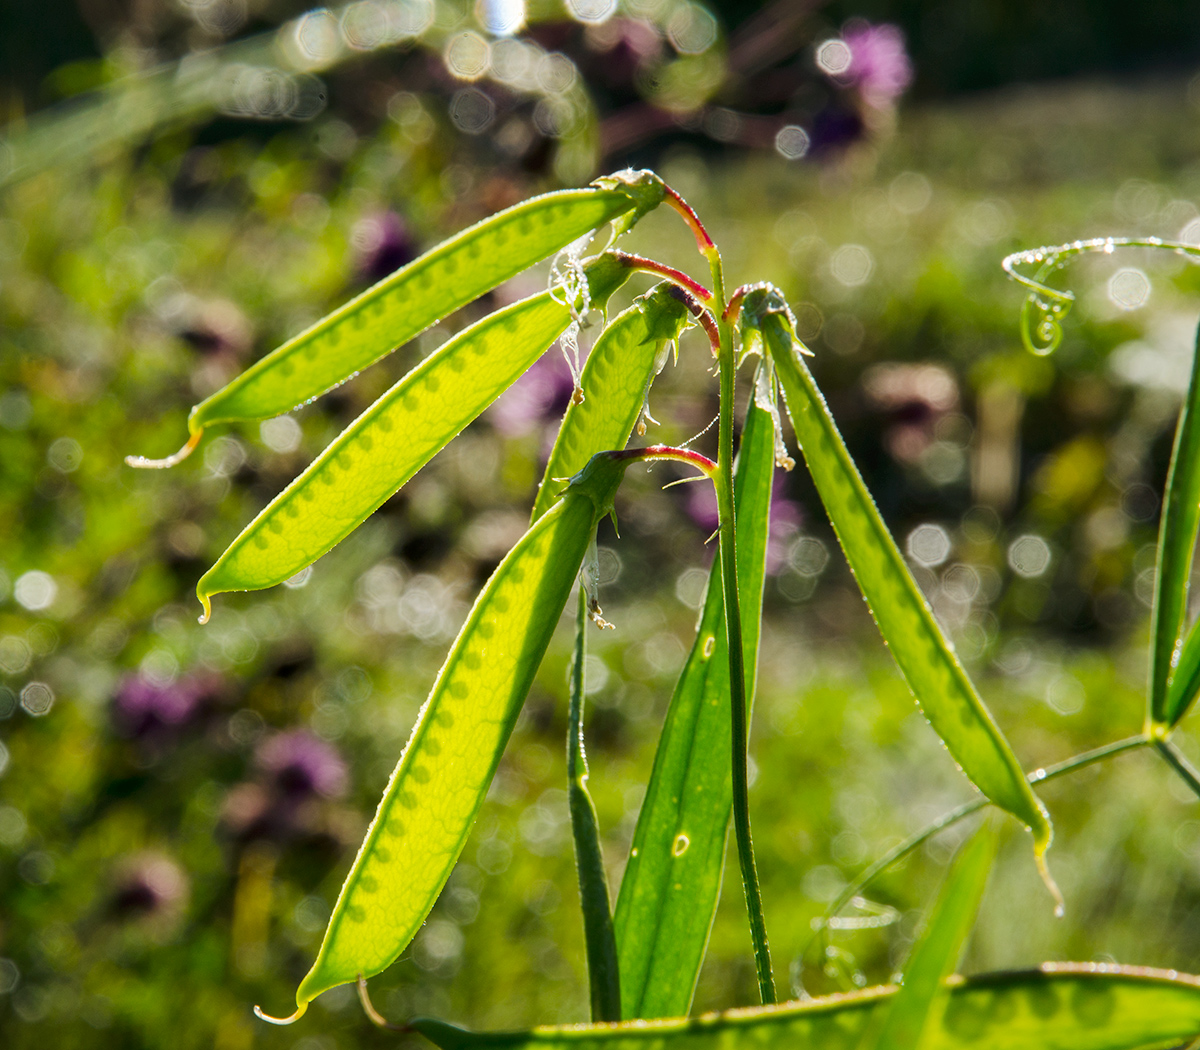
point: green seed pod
(395, 437)
(443, 775)
(938, 681)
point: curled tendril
(1045, 307)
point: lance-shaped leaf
(421, 293)
(395, 437)
(615, 381)
(1176, 547)
(672, 880)
(926, 659)
(427, 810)
(1061, 1006)
(920, 1001)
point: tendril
(1045, 307)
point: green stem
(1178, 763)
(733, 632)
(603, 973)
(902, 850)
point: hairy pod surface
(926, 659)
(395, 437)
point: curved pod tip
(1044, 871)
(291, 1019)
(207, 614)
(146, 463)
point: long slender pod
(604, 982)
(408, 301)
(1060, 1006)
(1176, 549)
(395, 437)
(430, 802)
(672, 881)
(926, 659)
(918, 1004)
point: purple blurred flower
(150, 885)
(540, 395)
(914, 399)
(300, 765)
(785, 520)
(879, 64)
(383, 243)
(145, 708)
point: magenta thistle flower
(879, 63)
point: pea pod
(395, 437)
(416, 296)
(1060, 1006)
(927, 661)
(672, 881)
(426, 812)
(615, 380)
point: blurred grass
(159, 874)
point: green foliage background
(130, 291)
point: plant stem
(733, 632)
(603, 971)
(974, 806)
(1178, 763)
(727, 365)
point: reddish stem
(656, 452)
(703, 241)
(706, 319)
(640, 262)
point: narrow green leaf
(615, 382)
(426, 812)
(394, 438)
(672, 881)
(937, 951)
(1061, 1006)
(407, 302)
(926, 659)
(1176, 546)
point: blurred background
(185, 183)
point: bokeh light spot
(791, 142)
(1128, 288)
(929, 545)
(35, 590)
(1029, 556)
(834, 57)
